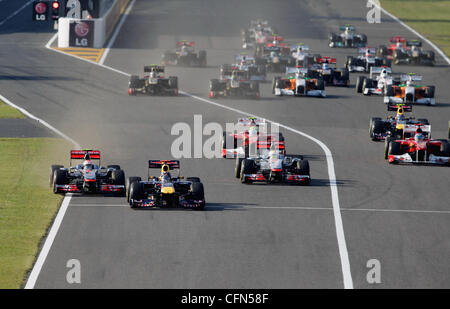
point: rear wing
(187, 43)
(397, 39)
(326, 60)
(248, 121)
(241, 57)
(377, 70)
(293, 70)
(349, 27)
(414, 43)
(411, 128)
(410, 77)
(363, 50)
(300, 46)
(159, 163)
(154, 68)
(394, 107)
(79, 154)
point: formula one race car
(249, 138)
(153, 82)
(236, 85)
(410, 92)
(365, 60)
(256, 70)
(166, 190)
(258, 32)
(402, 51)
(302, 57)
(348, 38)
(326, 69)
(275, 57)
(396, 43)
(398, 126)
(87, 177)
(418, 149)
(273, 166)
(184, 55)
(377, 82)
(299, 82)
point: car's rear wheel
(128, 183)
(53, 168)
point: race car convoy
(261, 156)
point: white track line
(116, 32)
(16, 12)
(415, 32)
(48, 244)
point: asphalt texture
(258, 236)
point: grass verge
(27, 205)
(430, 18)
(7, 111)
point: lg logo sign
(81, 30)
(40, 11)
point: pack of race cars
(260, 156)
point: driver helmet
(253, 130)
(152, 74)
(399, 45)
(409, 83)
(383, 73)
(400, 117)
(414, 48)
(325, 66)
(273, 54)
(419, 137)
(165, 177)
(87, 159)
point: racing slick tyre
(377, 126)
(359, 83)
(367, 83)
(387, 62)
(395, 148)
(118, 178)
(387, 143)
(225, 145)
(275, 83)
(303, 169)
(449, 130)
(247, 167)
(430, 91)
(430, 56)
(320, 84)
(382, 51)
(128, 183)
(136, 192)
(198, 193)
(60, 177)
(348, 62)
(173, 84)
(135, 81)
(445, 149)
(237, 168)
(193, 179)
(345, 76)
(202, 58)
(53, 168)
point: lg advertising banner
(40, 10)
(81, 33)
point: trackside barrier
(103, 27)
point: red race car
(249, 139)
(419, 149)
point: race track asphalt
(249, 236)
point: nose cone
(168, 190)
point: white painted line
(26, 113)
(116, 32)
(15, 12)
(415, 32)
(48, 244)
